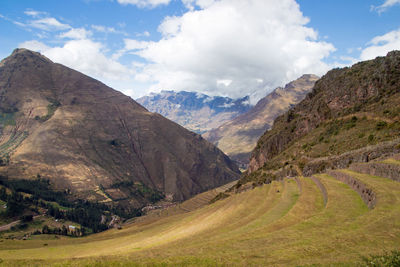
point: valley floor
(301, 221)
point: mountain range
(194, 111)
(238, 136)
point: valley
(300, 221)
(322, 187)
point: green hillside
(299, 221)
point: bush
(22, 226)
(380, 125)
(26, 218)
(386, 259)
(371, 138)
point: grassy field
(280, 224)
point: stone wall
(365, 193)
(391, 171)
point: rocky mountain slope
(238, 137)
(94, 142)
(352, 115)
(194, 111)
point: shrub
(27, 218)
(371, 138)
(386, 259)
(380, 125)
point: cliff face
(99, 144)
(238, 137)
(194, 111)
(347, 109)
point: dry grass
(283, 223)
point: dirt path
(14, 223)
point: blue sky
(218, 47)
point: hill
(238, 137)
(331, 219)
(94, 143)
(194, 111)
(352, 115)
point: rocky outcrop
(339, 93)
(95, 142)
(367, 195)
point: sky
(217, 47)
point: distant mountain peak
(196, 111)
(238, 137)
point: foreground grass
(283, 223)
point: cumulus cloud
(386, 5)
(85, 56)
(190, 4)
(381, 45)
(34, 45)
(144, 3)
(233, 47)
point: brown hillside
(238, 137)
(99, 144)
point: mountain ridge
(239, 136)
(194, 111)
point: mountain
(94, 142)
(351, 115)
(194, 111)
(238, 137)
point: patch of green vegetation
(13, 142)
(220, 196)
(85, 213)
(381, 125)
(51, 109)
(7, 119)
(383, 260)
(139, 189)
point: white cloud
(104, 29)
(386, 5)
(144, 3)
(381, 45)
(34, 45)
(243, 42)
(34, 13)
(145, 34)
(190, 4)
(85, 56)
(131, 44)
(224, 82)
(78, 33)
(48, 24)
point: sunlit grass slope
(283, 223)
